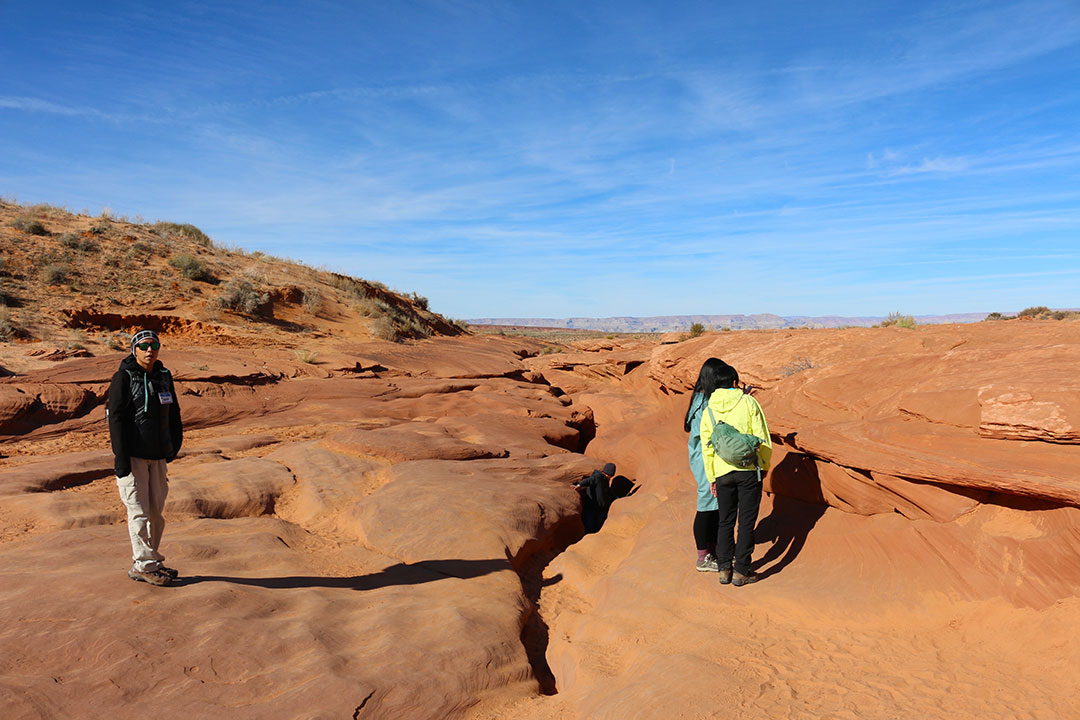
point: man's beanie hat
(609, 469)
(142, 336)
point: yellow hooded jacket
(741, 411)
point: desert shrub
(356, 288)
(696, 330)
(115, 343)
(239, 295)
(101, 228)
(305, 356)
(186, 230)
(138, 250)
(49, 210)
(313, 301)
(897, 319)
(29, 225)
(191, 268)
(9, 329)
(372, 307)
(384, 328)
(76, 340)
(75, 242)
(55, 274)
(797, 366)
(1036, 311)
(420, 300)
(1065, 314)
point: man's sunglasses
(144, 346)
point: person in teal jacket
(737, 489)
(707, 518)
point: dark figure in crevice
(598, 491)
(596, 497)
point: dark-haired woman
(707, 517)
(737, 489)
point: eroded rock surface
(369, 536)
(348, 542)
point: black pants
(705, 526)
(739, 496)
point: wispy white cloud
(935, 165)
(37, 105)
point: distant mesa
(679, 323)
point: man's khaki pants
(143, 492)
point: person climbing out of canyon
(146, 433)
(707, 517)
(737, 488)
(596, 497)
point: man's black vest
(149, 434)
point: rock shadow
(791, 519)
(535, 634)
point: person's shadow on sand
(399, 574)
(791, 520)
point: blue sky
(568, 158)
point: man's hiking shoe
(707, 564)
(725, 576)
(738, 579)
(157, 577)
(170, 572)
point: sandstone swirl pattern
(372, 536)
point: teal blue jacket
(705, 499)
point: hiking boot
(157, 577)
(738, 579)
(170, 572)
(707, 564)
(725, 576)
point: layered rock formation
(390, 532)
(354, 535)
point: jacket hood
(725, 399)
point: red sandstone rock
(342, 529)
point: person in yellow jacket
(737, 490)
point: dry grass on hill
(74, 279)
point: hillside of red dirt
(75, 282)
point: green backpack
(733, 447)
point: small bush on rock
(239, 295)
(191, 268)
(313, 301)
(184, 230)
(75, 242)
(797, 366)
(897, 319)
(306, 356)
(55, 274)
(29, 225)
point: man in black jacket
(146, 433)
(596, 497)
